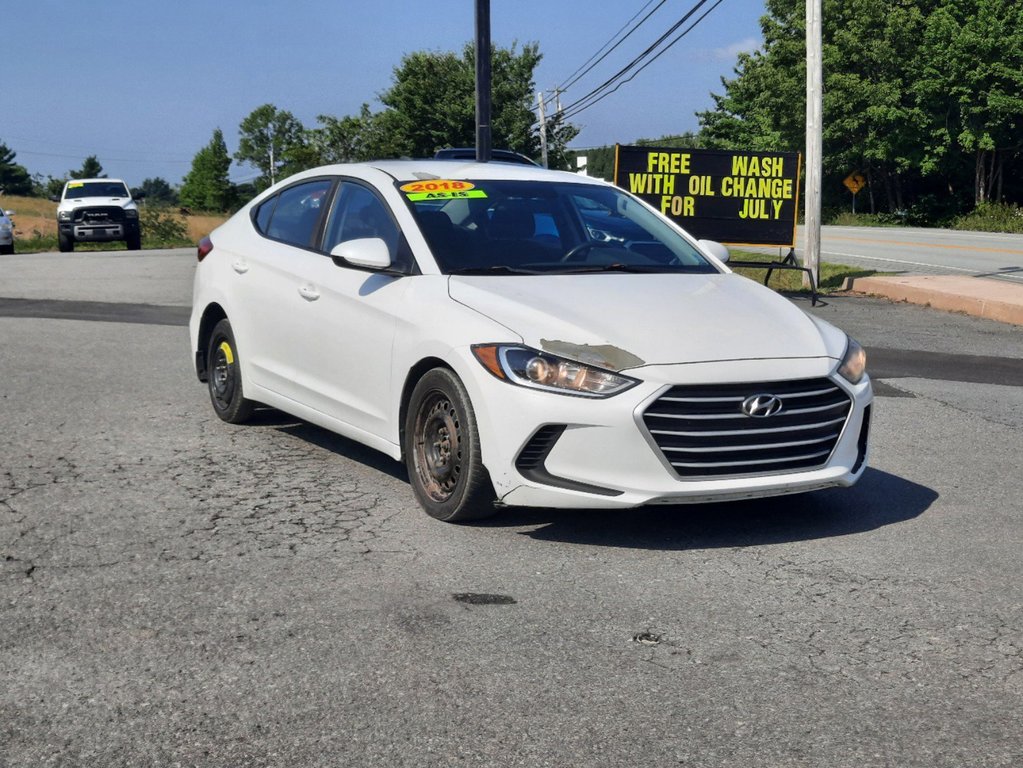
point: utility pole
(814, 141)
(483, 147)
(542, 115)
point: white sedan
(525, 337)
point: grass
(35, 227)
(849, 219)
(36, 231)
(832, 276)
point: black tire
(134, 242)
(442, 451)
(7, 250)
(224, 376)
(65, 243)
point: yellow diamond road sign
(855, 181)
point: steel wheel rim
(438, 447)
(222, 377)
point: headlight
(854, 363)
(131, 213)
(64, 216)
(539, 370)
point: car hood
(621, 321)
(71, 203)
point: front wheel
(134, 242)
(224, 376)
(442, 451)
(65, 243)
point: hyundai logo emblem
(761, 406)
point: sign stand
(789, 262)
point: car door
(270, 272)
(347, 316)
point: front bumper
(99, 232)
(545, 449)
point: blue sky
(143, 84)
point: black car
(497, 155)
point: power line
(105, 159)
(575, 76)
(577, 107)
(150, 156)
(605, 89)
(620, 73)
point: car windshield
(543, 227)
(96, 189)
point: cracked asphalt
(175, 591)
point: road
(178, 591)
(905, 250)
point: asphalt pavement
(179, 591)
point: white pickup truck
(97, 211)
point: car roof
(108, 181)
(424, 170)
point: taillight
(205, 246)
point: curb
(980, 297)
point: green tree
(763, 107)
(353, 138)
(207, 186)
(600, 161)
(924, 96)
(559, 134)
(971, 90)
(50, 187)
(14, 178)
(156, 190)
(91, 169)
(432, 104)
(273, 141)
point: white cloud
(729, 52)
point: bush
(162, 228)
(992, 217)
(849, 219)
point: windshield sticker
(440, 189)
(75, 184)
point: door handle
(308, 293)
(240, 267)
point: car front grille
(702, 430)
(106, 214)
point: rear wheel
(65, 242)
(442, 450)
(224, 376)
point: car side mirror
(717, 250)
(365, 252)
(54, 198)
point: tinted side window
(264, 212)
(297, 212)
